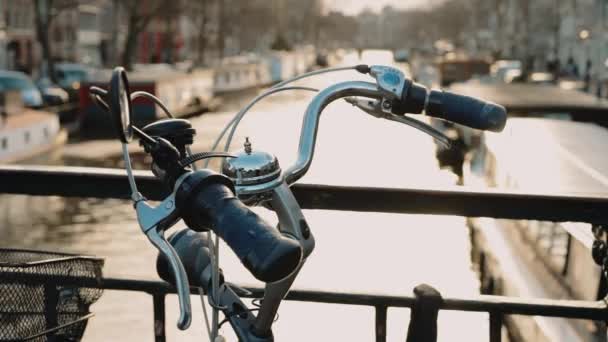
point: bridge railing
(112, 183)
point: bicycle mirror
(120, 104)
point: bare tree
(450, 19)
(524, 6)
(499, 22)
(138, 18)
(221, 28)
(199, 14)
(45, 12)
(339, 29)
(557, 27)
(170, 12)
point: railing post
(381, 323)
(496, 319)
(423, 319)
(158, 300)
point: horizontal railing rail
(459, 201)
(495, 306)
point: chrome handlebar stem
(310, 126)
(308, 133)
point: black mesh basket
(45, 296)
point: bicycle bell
(251, 167)
(178, 132)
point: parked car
(52, 94)
(506, 70)
(546, 78)
(15, 80)
(401, 55)
(70, 76)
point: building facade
(76, 35)
(544, 30)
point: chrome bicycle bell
(251, 167)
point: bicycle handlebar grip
(206, 200)
(466, 110)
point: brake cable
(362, 68)
(238, 116)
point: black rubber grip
(466, 110)
(267, 254)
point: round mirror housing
(120, 104)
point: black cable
(153, 98)
(234, 314)
(257, 302)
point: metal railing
(495, 306)
(112, 183)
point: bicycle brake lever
(371, 107)
(374, 108)
(153, 221)
(421, 126)
(181, 278)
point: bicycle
(214, 203)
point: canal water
(355, 252)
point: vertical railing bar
(496, 320)
(567, 259)
(51, 299)
(158, 300)
(381, 323)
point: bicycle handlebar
(308, 135)
(465, 110)
(205, 200)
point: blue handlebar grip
(466, 110)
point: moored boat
(183, 93)
(28, 135)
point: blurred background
(545, 60)
(544, 35)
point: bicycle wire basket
(45, 296)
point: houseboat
(28, 135)
(183, 93)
